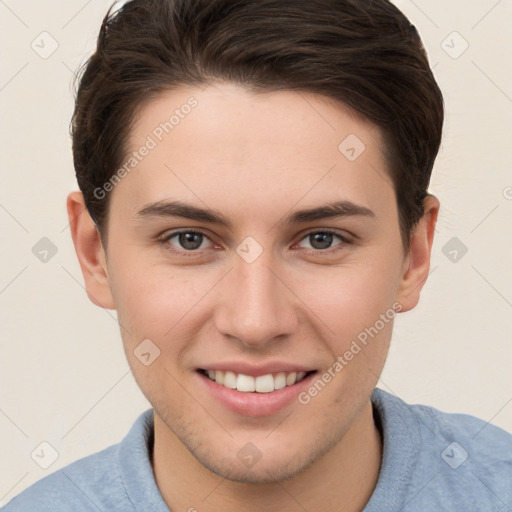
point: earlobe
(418, 261)
(90, 252)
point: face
(253, 248)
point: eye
(323, 240)
(186, 241)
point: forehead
(224, 142)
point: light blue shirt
(432, 462)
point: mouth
(267, 383)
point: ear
(417, 262)
(90, 252)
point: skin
(255, 158)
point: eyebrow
(187, 211)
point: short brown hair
(363, 53)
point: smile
(260, 384)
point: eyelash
(164, 241)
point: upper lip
(255, 370)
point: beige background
(63, 375)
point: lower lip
(255, 404)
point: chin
(261, 473)
(273, 466)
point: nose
(255, 307)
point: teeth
(219, 377)
(264, 383)
(291, 378)
(280, 381)
(229, 380)
(261, 384)
(245, 383)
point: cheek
(156, 301)
(350, 298)
(155, 304)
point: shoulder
(83, 485)
(455, 460)
(468, 439)
(487, 442)
(110, 479)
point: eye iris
(321, 240)
(190, 240)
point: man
(254, 204)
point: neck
(341, 480)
